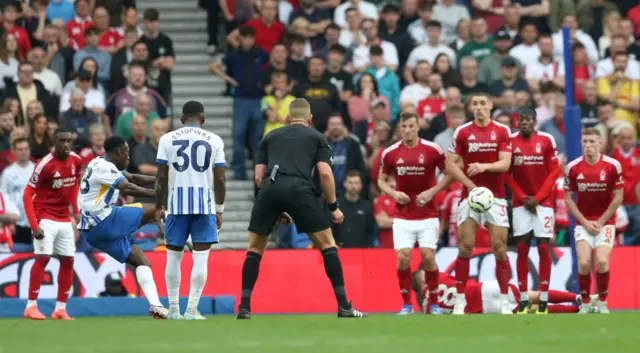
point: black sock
(250, 271)
(333, 268)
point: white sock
(145, 279)
(544, 296)
(172, 275)
(60, 306)
(524, 297)
(31, 303)
(504, 297)
(198, 279)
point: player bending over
(533, 174)
(51, 189)
(484, 148)
(485, 297)
(111, 229)
(413, 161)
(196, 160)
(596, 179)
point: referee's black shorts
(294, 196)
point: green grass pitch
(617, 333)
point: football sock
(431, 278)
(462, 274)
(405, 282)
(333, 268)
(522, 266)
(503, 275)
(602, 284)
(250, 271)
(65, 281)
(584, 284)
(145, 279)
(563, 309)
(544, 250)
(173, 276)
(198, 279)
(35, 278)
(558, 296)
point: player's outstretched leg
(144, 276)
(467, 232)
(324, 241)
(522, 269)
(35, 281)
(250, 271)
(544, 250)
(65, 281)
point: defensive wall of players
(370, 275)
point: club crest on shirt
(538, 148)
(493, 136)
(603, 176)
(421, 159)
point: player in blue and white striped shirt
(191, 177)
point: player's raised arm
(129, 188)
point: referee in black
(285, 163)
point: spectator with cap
(322, 95)
(77, 117)
(450, 14)
(113, 286)
(510, 80)
(481, 44)
(268, 30)
(490, 67)
(528, 51)
(576, 35)
(82, 20)
(388, 82)
(9, 17)
(245, 66)
(361, 58)
(92, 50)
(389, 29)
(26, 89)
(318, 20)
(430, 49)
(365, 8)
(469, 74)
(546, 68)
(142, 107)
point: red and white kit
(476, 144)
(482, 298)
(594, 186)
(415, 172)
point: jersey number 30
(184, 144)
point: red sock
(544, 250)
(65, 278)
(558, 296)
(522, 267)
(431, 278)
(503, 275)
(563, 309)
(584, 284)
(462, 274)
(37, 275)
(405, 282)
(602, 284)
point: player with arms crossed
(195, 158)
(484, 148)
(413, 161)
(533, 174)
(51, 189)
(596, 179)
(111, 229)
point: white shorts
(58, 239)
(606, 237)
(491, 297)
(541, 224)
(497, 215)
(406, 232)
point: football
(480, 199)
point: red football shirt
(267, 36)
(560, 208)
(54, 180)
(447, 294)
(430, 107)
(110, 38)
(385, 203)
(87, 154)
(476, 144)
(532, 160)
(630, 163)
(24, 43)
(594, 185)
(76, 28)
(415, 171)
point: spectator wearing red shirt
(268, 30)
(629, 157)
(384, 209)
(110, 39)
(492, 11)
(9, 25)
(583, 70)
(82, 21)
(434, 104)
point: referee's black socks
(250, 271)
(333, 268)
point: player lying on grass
(110, 229)
(485, 298)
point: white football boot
(460, 304)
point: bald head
(299, 110)
(453, 97)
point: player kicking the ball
(533, 174)
(111, 229)
(413, 161)
(196, 160)
(597, 181)
(51, 189)
(483, 146)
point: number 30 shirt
(98, 192)
(191, 153)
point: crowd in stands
(94, 67)
(360, 64)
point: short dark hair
(426, 6)
(409, 115)
(151, 14)
(545, 35)
(332, 26)
(353, 173)
(138, 43)
(112, 143)
(19, 140)
(61, 130)
(351, 8)
(91, 31)
(317, 57)
(623, 53)
(338, 49)
(131, 29)
(604, 103)
(138, 64)
(434, 23)
(376, 50)
(192, 109)
(297, 38)
(247, 31)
